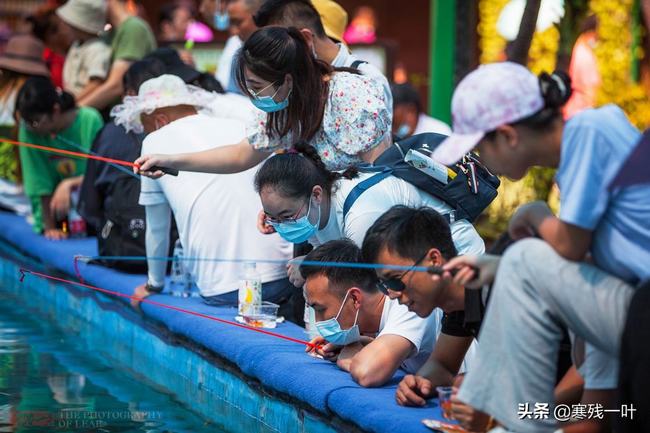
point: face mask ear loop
(356, 317)
(345, 298)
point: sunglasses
(395, 284)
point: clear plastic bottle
(180, 276)
(76, 225)
(250, 288)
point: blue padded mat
(278, 364)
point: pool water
(48, 383)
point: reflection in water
(49, 383)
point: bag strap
(357, 63)
(361, 187)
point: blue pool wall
(242, 380)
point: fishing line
(353, 265)
(23, 273)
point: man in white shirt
(409, 117)
(363, 331)
(215, 214)
(306, 16)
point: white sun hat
(163, 91)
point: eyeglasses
(289, 220)
(256, 95)
(395, 284)
(35, 124)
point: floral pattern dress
(356, 120)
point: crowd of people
(287, 152)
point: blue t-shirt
(595, 145)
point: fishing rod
(167, 170)
(90, 152)
(24, 272)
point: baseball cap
(493, 95)
(333, 17)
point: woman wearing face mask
(303, 201)
(341, 114)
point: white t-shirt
(396, 319)
(215, 214)
(232, 106)
(375, 201)
(429, 124)
(226, 61)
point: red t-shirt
(54, 63)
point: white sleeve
(466, 238)
(400, 321)
(157, 241)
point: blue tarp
(278, 364)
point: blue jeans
(278, 292)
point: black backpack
(470, 188)
(122, 232)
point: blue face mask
(221, 21)
(298, 231)
(331, 330)
(403, 131)
(267, 103)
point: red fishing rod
(23, 273)
(166, 170)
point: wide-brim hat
(163, 91)
(24, 54)
(86, 15)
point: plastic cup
(264, 315)
(444, 396)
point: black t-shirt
(467, 322)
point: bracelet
(153, 289)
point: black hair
(340, 251)
(273, 52)
(141, 71)
(294, 174)
(38, 96)
(296, 13)
(405, 93)
(167, 12)
(409, 232)
(208, 82)
(556, 91)
(43, 22)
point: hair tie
(292, 151)
(560, 83)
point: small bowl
(264, 315)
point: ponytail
(38, 96)
(556, 91)
(296, 172)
